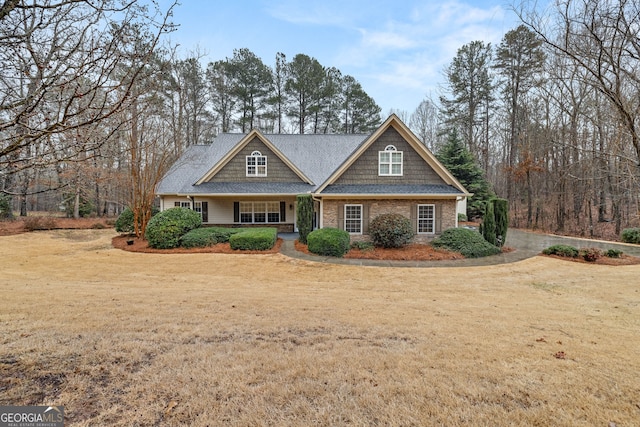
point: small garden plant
(467, 242)
(562, 250)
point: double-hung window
(259, 212)
(353, 219)
(256, 164)
(390, 161)
(426, 219)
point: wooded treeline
(94, 106)
(92, 115)
(552, 115)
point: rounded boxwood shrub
(165, 229)
(631, 235)
(562, 250)
(329, 242)
(199, 238)
(124, 223)
(467, 242)
(391, 230)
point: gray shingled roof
(391, 189)
(317, 156)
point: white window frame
(426, 220)
(256, 165)
(348, 218)
(197, 207)
(386, 159)
(265, 208)
(186, 205)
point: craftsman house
(253, 179)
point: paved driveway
(526, 245)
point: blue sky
(396, 51)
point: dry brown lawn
(126, 339)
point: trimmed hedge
(254, 239)
(562, 250)
(630, 235)
(199, 238)
(391, 230)
(467, 242)
(328, 242)
(166, 228)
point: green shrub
(199, 238)
(590, 254)
(363, 246)
(613, 253)
(124, 223)
(631, 235)
(254, 239)
(391, 230)
(467, 242)
(462, 217)
(165, 229)
(328, 241)
(562, 250)
(304, 216)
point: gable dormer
(254, 159)
(392, 155)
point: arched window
(390, 161)
(256, 164)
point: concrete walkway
(524, 243)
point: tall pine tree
(460, 162)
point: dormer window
(256, 164)
(390, 161)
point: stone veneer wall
(403, 207)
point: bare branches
(601, 36)
(61, 69)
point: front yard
(123, 338)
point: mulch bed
(141, 245)
(603, 260)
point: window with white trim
(256, 164)
(186, 205)
(353, 219)
(259, 212)
(426, 219)
(390, 161)
(197, 207)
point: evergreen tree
(304, 215)
(501, 213)
(488, 229)
(470, 84)
(460, 162)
